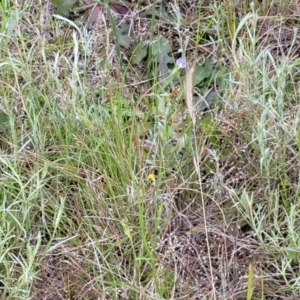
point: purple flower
(180, 63)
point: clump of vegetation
(149, 150)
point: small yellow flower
(151, 176)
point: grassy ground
(115, 184)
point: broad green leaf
(296, 62)
(161, 48)
(123, 37)
(160, 51)
(203, 71)
(64, 6)
(139, 53)
(4, 121)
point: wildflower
(151, 176)
(181, 63)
